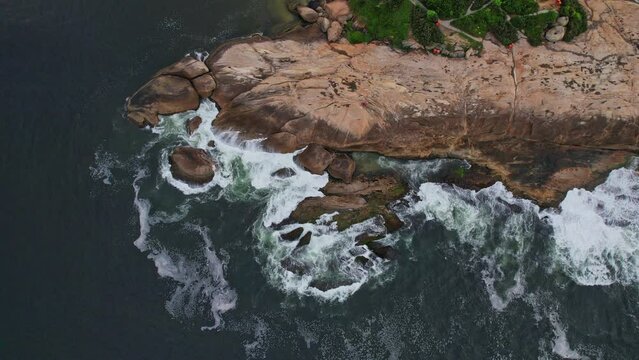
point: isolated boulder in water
(204, 85)
(193, 124)
(284, 173)
(342, 168)
(163, 95)
(192, 165)
(315, 159)
(188, 68)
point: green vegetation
(448, 9)
(534, 26)
(385, 20)
(391, 20)
(356, 36)
(424, 29)
(578, 18)
(520, 7)
(490, 19)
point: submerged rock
(192, 165)
(383, 251)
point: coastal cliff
(542, 119)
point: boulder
(383, 251)
(204, 85)
(337, 9)
(187, 67)
(556, 33)
(315, 159)
(283, 142)
(334, 32)
(305, 240)
(324, 24)
(342, 168)
(308, 14)
(563, 20)
(191, 165)
(193, 124)
(163, 95)
(293, 234)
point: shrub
(358, 37)
(520, 7)
(424, 29)
(385, 19)
(490, 19)
(534, 26)
(448, 9)
(578, 18)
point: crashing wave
(597, 233)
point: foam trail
(597, 233)
(560, 345)
(200, 283)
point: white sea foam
(498, 226)
(597, 233)
(201, 282)
(560, 345)
(245, 171)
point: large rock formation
(174, 89)
(543, 120)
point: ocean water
(107, 256)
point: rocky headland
(542, 120)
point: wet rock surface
(192, 165)
(363, 199)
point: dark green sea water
(481, 275)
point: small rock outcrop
(192, 165)
(315, 159)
